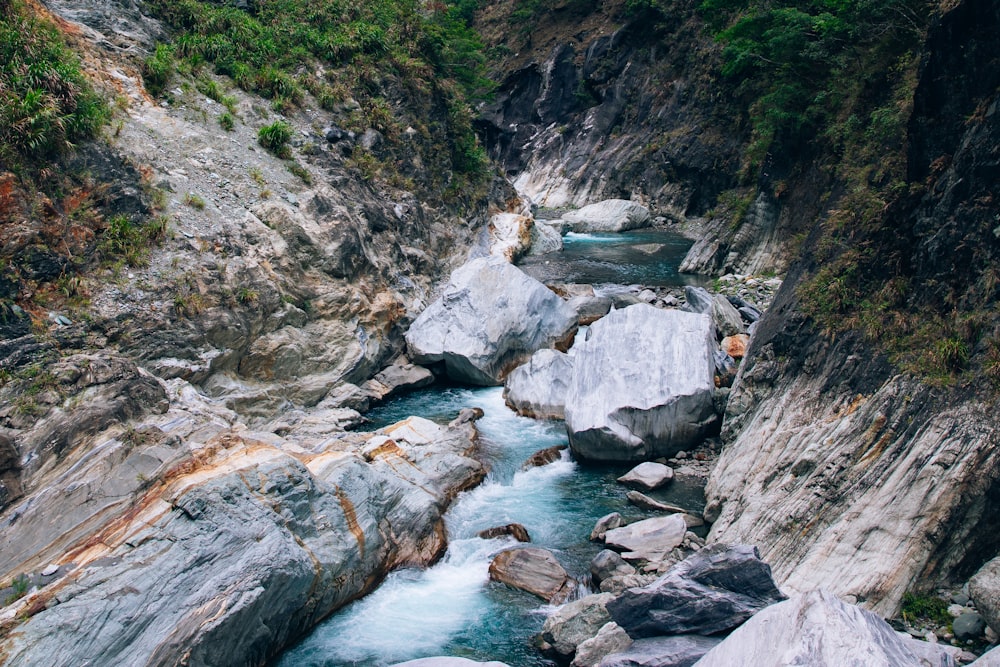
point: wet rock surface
(533, 570)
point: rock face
(612, 215)
(533, 570)
(490, 318)
(714, 590)
(247, 542)
(814, 629)
(511, 235)
(678, 651)
(984, 589)
(642, 385)
(538, 388)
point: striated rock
(243, 547)
(713, 590)
(677, 651)
(608, 564)
(642, 385)
(643, 501)
(815, 629)
(650, 539)
(538, 388)
(574, 623)
(533, 570)
(609, 639)
(511, 236)
(984, 589)
(735, 346)
(726, 318)
(447, 662)
(544, 457)
(619, 584)
(515, 530)
(611, 215)
(545, 239)
(648, 475)
(604, 524)
(520, 316)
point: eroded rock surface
(538, 388)
(642, 385)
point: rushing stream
(452, 608)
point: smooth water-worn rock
(713, 590)
(490, 318)
(538, 388)
(545, 238)
(642, 501)
(642, 385)
(604, 524)
(607, 564)
(609, 639)
(815, 629)
(650, 539)
(543, 457)
(533, 570)
(248, 542)
(726, 318)
(648, 475)
(573, 624)
(677, 651)
(611, 215)
(395, 379)
(445, 661)
(984, 589)
(515, 530)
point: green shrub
(227, 121)
(158, 69)
(274, 137)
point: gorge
(225, 223)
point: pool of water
(647, 257)
(452, 608)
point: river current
(452, 608)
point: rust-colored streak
(352, 519)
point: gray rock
(371, 139)
(989, 659)
(643, 501)
(984, 590)
(933, 653)
(607, 564)
(511, 235)
(545, 239)
(713, 590)
(650, 539)
(604, 524)
(619, 584)
(677, 651)
(611, 215)
(727, 319)
(749, 314)
(533, 570)
(648, 475)
(447, 662)
(815, 629)
(961, 598)
(538, 388)
(396, 379)
(589, 309)
(490, 318)
(609, 639)
(642, 385)
(968, 626)
(574, 623)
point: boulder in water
(642, 385)
(609, 639)
(610, 215)
(650, 539)
(607, 564)
(538, 388)
(515, 530)
(574, 623)
(543, 457)
(490, 318)
(815, 629)
(545, 238)
(604, 524)
(713, 590)
(676, 651)
(533, 570)
(648, 475)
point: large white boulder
(642, 385)
(611, 215)
(490, 318)
(815, 629)
(538, 388)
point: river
(452, 608)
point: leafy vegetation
(350, 56)
(274, 137)
(925, 608)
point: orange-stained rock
(736, 346)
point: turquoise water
(647, 257)
(452, 608)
